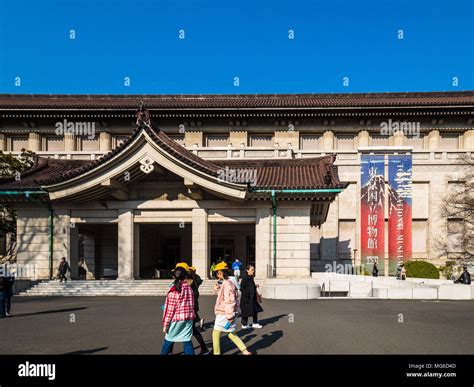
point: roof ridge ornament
(143, 116)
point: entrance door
(222, 249)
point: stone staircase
(111, 288)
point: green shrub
(421, 269)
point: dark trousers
(168, 347)
(255, 319)
(62, 276)
(8, 294)
(197, 335)
(2, 304)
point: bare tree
(459, 205)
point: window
(419, 235)
(261, 140)
(449, 141)
(90, 144)
(54, 143)
(378, 140)
(455, 236)
(347, 238)
(179, 138)
(18, 143)
(345, 142)
(217, 140)
(309, 142)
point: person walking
(179, 314)
(375, 270)
(403, 273)
(226, 310)
(465, 277)
(8, 294)
(2, 297)
(236, 267)
(63, 269)
(249, 305)
(196, 281)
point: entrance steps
(111, 288)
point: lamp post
(354, 265)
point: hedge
(421, 269)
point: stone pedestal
(34, 142)
(105, 142)
(200, 242)
(126, 248)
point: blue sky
(225, 39)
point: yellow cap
(221, 266)
(184, 265)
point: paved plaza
(132, 325)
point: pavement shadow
(271, 320)
(267, 340)
(86, 351)
(49, 312)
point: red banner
(372, 210)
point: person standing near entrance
(375, 270)
(236, 267)
(226, 310)
(8, 294)
(179, 314)
(2, 297)
(249, 304)
(63, 269)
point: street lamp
(354, 265)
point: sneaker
(204, 352)
(246, 327)
(8, 314)
(257, 326)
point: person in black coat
(465, 277)
(249, 305)
(63, 269)
(2, 297)
(8, 294)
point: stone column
(328, 140)
(434, 140)
(69, 142)
(238, 138)
(263, 241)
(3, 142)
(34, 142)
(126, 248)
(468, 140)
(136, 251)
(105, 142)
(65, 242)
(363, 139)
(200, 242)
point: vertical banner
(399, 210)
(372, 211)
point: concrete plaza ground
(132, 325)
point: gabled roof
(309, 173)
(16, 102)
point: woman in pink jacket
(226, 310)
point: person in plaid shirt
(179, 314)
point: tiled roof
(241, 101)
(309, 173)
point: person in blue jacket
(236, 267)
